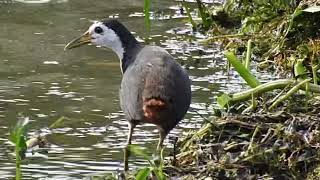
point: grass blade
(251, 80)
(57, 122)
(146, 12)
(203, 14)
(186, 6)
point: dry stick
(248, 54)
(237, 122)
(268, 151)
(233, 36)
(314, 64)
(315, 68)
(201, 132)
(256, 130)
(280, 94)
(265, 138)
(290, 93)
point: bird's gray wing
(131, 93)
(167, 81)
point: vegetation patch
(259, 146)
(270, 130)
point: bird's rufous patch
(152, 109)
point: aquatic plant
(155, 167)
(146, 11)
(17, 136)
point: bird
(154, 88)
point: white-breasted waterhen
(154, 89)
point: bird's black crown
(124, 34)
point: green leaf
(251, 80)
(139, 151)
(22, 143)
(312, 9)
(299, 69)
(143, 174)
(21, 147)
(297, 13)
(18, 130)
(17, 136)
(223, 100)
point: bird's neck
(129, 54)
(125, 46)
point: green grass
(146, 12)
(17, 136)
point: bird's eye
(98, 30)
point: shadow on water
(39, 80)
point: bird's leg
(126, 149)
(162, 136)
(131, 127)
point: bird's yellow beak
(79, 41)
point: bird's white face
(100, 35)
(103, 36)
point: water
(40, 81)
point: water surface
(40, 81)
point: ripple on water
(40, 1)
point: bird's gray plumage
(155, 74)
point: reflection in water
(41, 81)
